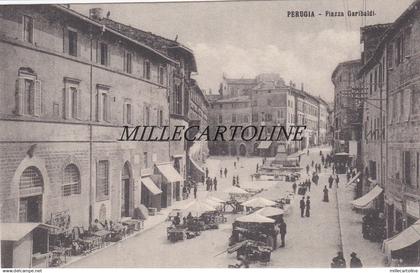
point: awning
(150, 185)
(170, 173)
(254, 218)
(354, 178)
(264, 144)
(404, 239)
(16, 231)
(364, 201)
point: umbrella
(198, 208)
(270, 211)
(254, 218)
(258, 202)
(235, 190)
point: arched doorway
(256, 144)
(242, 150)
(31, 189)
(126, 190)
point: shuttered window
(71, 181)
(28, 97)
(146, 69)
(28, 29)
(102, 180)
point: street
(305, 235)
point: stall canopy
(169, 172)
(16, 231)
(254, 218)
(150, 185)
(264, 145)
(364, 201)
(353, 179)
(198, 208)
(402, 240)
(215, 199)
(258, 202)
(235, 190)
(270, 211)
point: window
(71, 181)
(406, 168)
(161, 75)
(104, 99)
(146, 69)
(30, 178)
(28, 29)
(103, 104)
(220, 118)
(160, 118)
(102, 180)
(127, 113)
(233, 118)
(399, 50)
(72, 43)
(389, 53)
(28, 95)
(146, 118)
(103, 54)
(145, 160)
(128, 63)
(73, 102)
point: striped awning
(150, 185)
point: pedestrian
(312, 164)
(307, 169)
(184, 192)
(283, 231)
(338, 261)
(325, 194)
(237, 179)
(308, 184)
(257, 167)
(299, 158)
(234, 164)
(355, 262)
(307, 153)
(210, 184)
(337, 180)
(348, 176)
(195, 191)
(226, 172)
(207, 172)
(237, 158)
(330, 181)
(308, 207)
(302, 206)
(221, 172)
(294, 187)
(215, 183)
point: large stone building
(73, 82)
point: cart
(176, 234)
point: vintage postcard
(219, 134)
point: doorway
(31, 192)
(125, 190)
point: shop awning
(404, 239)
(264, 144)
(150, 185)
(353, 179)
(364, 201)
(254, 218)
(169, 172)
(16, 231)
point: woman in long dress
(325, 194)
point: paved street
(305, 235)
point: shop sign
(412, 208)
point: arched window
(30, 178)
(71, 182)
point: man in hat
(355, 262)
(302, 206)
(338, 261)
(283, 231)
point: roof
(234, 99)
(388, 34)
(16, 231)
(240, 81)
(346, 63)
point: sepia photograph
(210, 134)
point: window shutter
(65, 40)
(108, 56)
(132, 119)
(124, 61)
(109, 108)
(20, 85)
(37, 98)
(98, 52)
(98, 106)
(124, 113)
(79, 104)
(67, 102)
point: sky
(246, 38)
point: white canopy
(254, 218)
(270, 211)
(198, 208)
(354, 178)
(404, 239)
(235, 190)
(364, 201)
(258, 202)
(16, 231)
(215, 199)
(170, 173)
(264, 145)
(211, 202)
(150, 185)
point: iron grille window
(102, 180)
(30, 178)
(71, 182)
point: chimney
(95, 13)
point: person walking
(325, 194)
(195, 191)
(207, 172)
(302, 206)
(234, 164)
(307, 169)
(307, 153)
(226, 171)
(294, 186)
(355, 262)
(237, 179)
(221, 172)
(283, 231)
(330, 181)
(234, 181)
(210, 184)
(308, 184)
(215, 183)
(337, 180)
(308, 207)
(338, 261)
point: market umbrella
(258, 202)
(270, 211)
(198, 208)
(235, 190)
(215, 199)
(254, 218)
